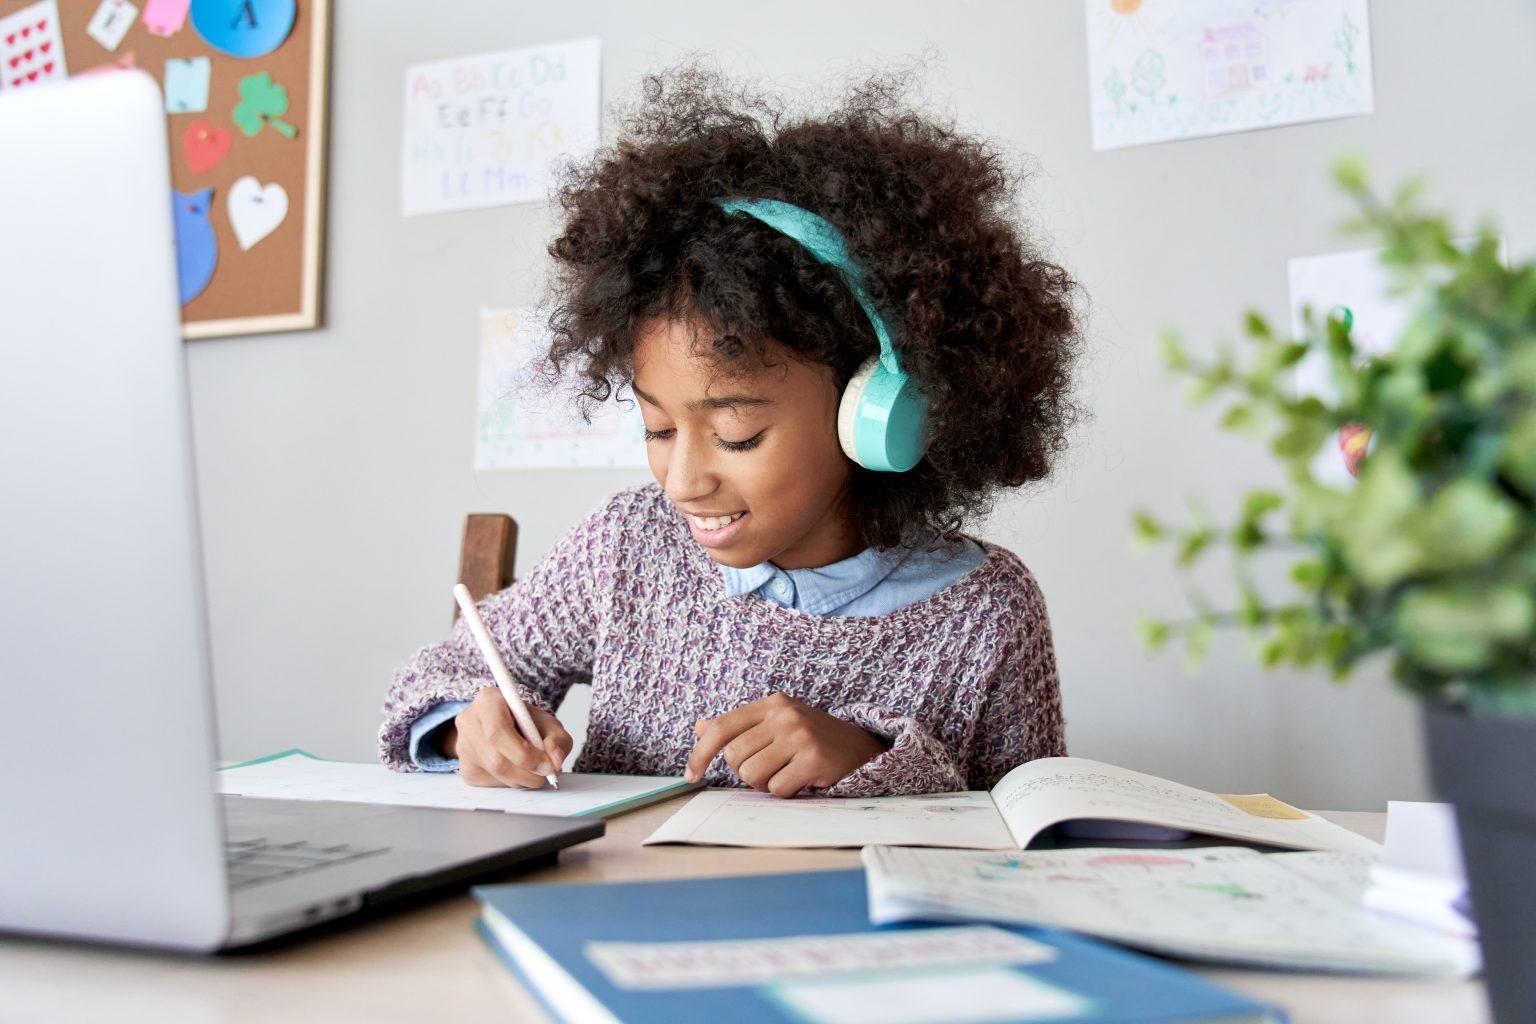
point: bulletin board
(247, 149)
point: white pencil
(503, 677)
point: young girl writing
(842, 346)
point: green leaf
(1174, 356)
(1147, 528)
(1310, 573)
(1466, 523)
(1197, 644)
(1257, 327)
(1195, 542)
(1373, 537)
(1349, 172)
(1154, 633)
(1457, 628)
(1257, 504)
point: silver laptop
(110, 827)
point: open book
(1221, 904)
(1025, 802)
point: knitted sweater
(963, 683)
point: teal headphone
(882, 420)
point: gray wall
(335, 464)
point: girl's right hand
(491, 750)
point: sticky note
(31, 49)
(110, 22)
(186, 84)
(165, 17)
(1262, 805)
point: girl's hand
(491, 750)
(778, 745)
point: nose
(690, 470)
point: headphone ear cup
(882, 419)
(848, 407)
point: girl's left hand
(778, 745)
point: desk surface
(427, 964)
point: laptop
(110, 826)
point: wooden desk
(428, 965)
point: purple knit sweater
(963, 683)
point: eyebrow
(720, 402)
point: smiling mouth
(711, 523)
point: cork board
(274, 284)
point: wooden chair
(486, 554)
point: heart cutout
(205, 146)
(255, 210)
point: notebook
(1025, 802)
(297, 775)
(799, 947)
(1220, 904)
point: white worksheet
(1223, 904)
(299, 776)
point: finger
(503, 737)
(747, 744)
(556, 748)
(762, 766)
(715, 734)
(790, 779)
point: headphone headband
(822, 239)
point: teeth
(715, 522)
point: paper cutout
(261, 102)
(31, 49)
(1262, 805)
(186, 84)
(110, 22)
(165, 17)
(197, 247)
(123, 63)
(518, 425)
(490, 130)
(255, 210)
(244, 28)
(1163, 71)
(205, 146)
(737, 962)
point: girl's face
(753, 462)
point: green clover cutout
(261, 101)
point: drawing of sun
(1130, 16)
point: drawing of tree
(1147, 74)
(1114, 87)
(1344, 40)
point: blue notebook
(570, 946)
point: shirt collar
(823, 589)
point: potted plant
(1426, 553)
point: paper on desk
(725, 818)
(734, 962)
(1045, 792)
(1221, 904)
(965, 995)
(295, 775)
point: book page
(1042, 793)
(1221, 904)
(299, 776)
(745, 818)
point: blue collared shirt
(876, 581)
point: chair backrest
(486, 554)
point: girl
(842, 346)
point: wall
(334, 464)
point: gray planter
(1487, 768)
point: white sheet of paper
(727, 963)
(967, 996)
(1223, 904)
(487, 130)
(521, 424)
(1042, 793)
(726, 818)
(111, 22)
(31, 47)
(300, 777)
(1159, 71)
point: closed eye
(720, 442)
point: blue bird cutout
(197, 248)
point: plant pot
(1487, 768)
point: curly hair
(987, 325)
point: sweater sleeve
(1019, 719)
(544, 625)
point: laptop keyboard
(253, 861)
